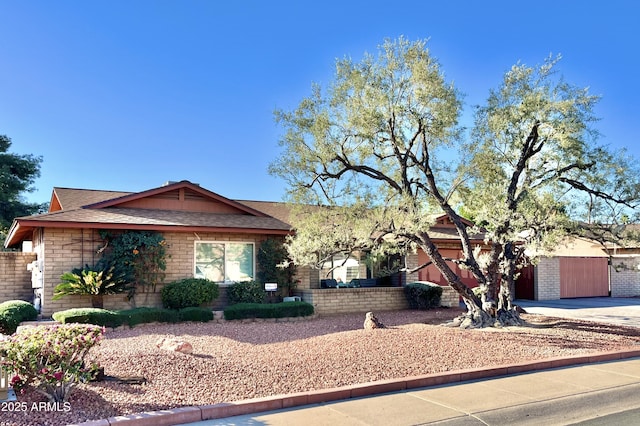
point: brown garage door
(584, 277)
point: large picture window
(224, 261)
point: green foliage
(422, 295)
(100, 280)
(144, 315)
(381, 149)
(140, 254)
(17, 175)
(13, 312)
(51, 358)
(362, 147)
(271, 310)
(274, 265)
(477, 291)
(189, 292)
(196, 314)
(95, 316)
(131, 317)
(245, 292)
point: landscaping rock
(371, 322)
(175, 345)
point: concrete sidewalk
(557, 396)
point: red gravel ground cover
(238, 360)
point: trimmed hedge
(269, 310)
(96, 316)
(131, 317)
(196, 314)
(144, 315)
(189, 292)
(423, 295)
(13, 312)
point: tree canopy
(382, 151)
(17, 175)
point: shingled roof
(181, 206)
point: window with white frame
(224, 261)
(342, 268)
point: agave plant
(95, 282)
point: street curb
(183, 415)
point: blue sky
(126, 95)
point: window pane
(239, 262)
(210, 261)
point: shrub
(13, 312)
(189, 292)
(95, 316)
(141, 254)
(195, 314)
(51, 358)
(271, 257)
(102, 279)
(136, 316)
(245, 292)
(271, 310)
(423, 295)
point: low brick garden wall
(328, 301)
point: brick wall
(411, 262)
(625, 277)
(15, 280)
(450, 298)
(309, 277)
(365, 299)
(61, 250)
(547, 279)
(345, 300)
(65, 249)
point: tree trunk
(507, 312)
(476, 316)
(97, 301)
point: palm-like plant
(95, 282)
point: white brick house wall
(625, 277)
(547, 279)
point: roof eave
(31, 224)
(14, 234)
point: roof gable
(179, 196)
(71, 198)
(442, 220)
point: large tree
(382, 151)
(17, 175)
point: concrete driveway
(610, 310)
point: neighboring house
(584, 268)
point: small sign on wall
(271, 286)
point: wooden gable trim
(181, 190)
(54, 204)
(445, 221)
